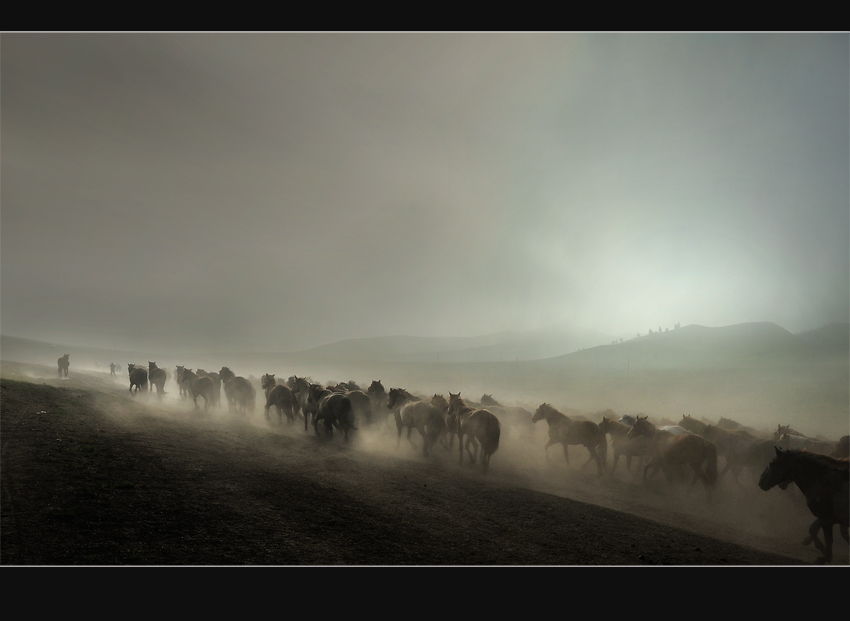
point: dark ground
(91, 476)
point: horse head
(778, 472)
(642, 427)
(540, 413)
(268, 381)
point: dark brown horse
(138, 378)
(333, 409)
(378, 396)
(733, 445)
(64, 363)
(824, 482)
(565, 431)
(157, 377)
(240, 393)
(671, 451)
(279, 396)
(412, 412)
(479, 426)
(198, 387)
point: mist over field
(550, 216)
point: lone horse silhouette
(138, 378)
(824, 482)
(63, 365)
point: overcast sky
(213, 192)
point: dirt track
(92, 476)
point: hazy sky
(188, 192)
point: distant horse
(64, 363)
(178, 377)
(240, 393)
(732, 445)
(412, 412)
(479, 426)
(300, 387)
(824, 482)
(799, 443)
(138, 377)
(489, 400)
(199, 387)
(783, 429)
(279, 396)
(676, 430)
(692, 424)
(565, 431)
(216, 384)
(623, 445)
(378, 395)
(439, 402)
(333, 409)
(361, 404)
(518, 416)
(157, 377)
(671, 451)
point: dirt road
(93, 476)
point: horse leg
(460, 445)
(398, 425)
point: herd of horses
(818, 468)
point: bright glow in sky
(276, 191)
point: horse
(279, 396)
(378, 395)
(732, 445)
(361, 404)
(623, 445)
(824, 482)
(489, 400)
(479, 426)
(178, 377)
(439, 402)
(565, 431)
(63, 363)
(676, 430)
(300, 387)
(783, 429)
(157, 377)
(671, 451)
(216, 378)
(792, 441)
(692, 424)
(138, 377)
(517, 416)
(240, 393)
(412, 412)
(334, 409)
(198, 387)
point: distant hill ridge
(558, 345)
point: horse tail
(711, 467)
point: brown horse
(439, 402)
(300, 387)
(157, 377)
(733, 445)
(412, 412)
(216, 384)
(623, 445)
(64, 363)
(378, 395)
(240, 393)
(565, 431)
(333, 409)
(692, 424)
(479, 426)
(279, 396)
(824, 482)
(671, 451)
(178, 377)
(198, 387)
(138, 378)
